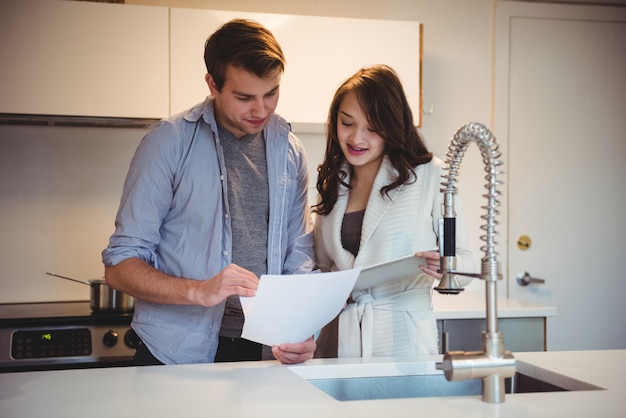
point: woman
(379, 199)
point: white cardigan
(395, 318)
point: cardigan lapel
(377, 204)
(344, 259)
(376, 207)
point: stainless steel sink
(393, 387)
(364, 379)
(422, 386)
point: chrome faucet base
(488, 365)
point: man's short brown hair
(243, 44)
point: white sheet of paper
(291, 308)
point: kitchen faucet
(493, 364)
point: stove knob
(131, 339)
(110, 338)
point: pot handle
(68, 278)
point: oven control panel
(42, 343)
(98, 345)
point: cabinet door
(523, 334)
(321, 52)
(462, 334)
(84, 59)
(520, 334)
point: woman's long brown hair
(381, 96)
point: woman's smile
(356, 151)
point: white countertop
(472, 305)
(268, 389)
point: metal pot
(104, 299)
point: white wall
(59, 187)
(59, 191)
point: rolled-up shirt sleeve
(146, 199)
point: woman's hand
(432, 263)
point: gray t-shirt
(248, 203)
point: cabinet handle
(524, 279)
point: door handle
(524, 279)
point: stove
(63, 335)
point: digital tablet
(389, 271)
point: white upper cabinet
(73, 58)
(83, 58)
(321, 53)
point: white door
(561, 108)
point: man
(214, 197)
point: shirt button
(226, 216)
(225, 252)
(221, 177)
